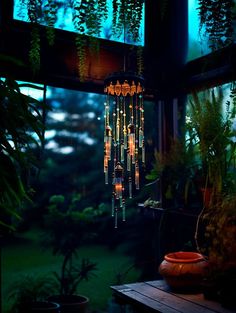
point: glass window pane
(211, 112)
(64, 19)
(197, 42)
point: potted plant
(210, 135)
(218, 243)
(66, 229)
(175, 170)
(29, 292)
(213, 133)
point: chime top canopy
(124, 83)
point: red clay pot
(184, 271)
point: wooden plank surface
(195, 298)
(148, 301)
(157, 296)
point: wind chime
(124, 149)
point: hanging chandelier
(124, 149)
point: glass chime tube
(117, 121)
(141, 123)
(118, 181)
(124, 125)
(123, 210)
(130, 187)
(128, 161)
(107, 140)
(131, 141)
(113, 204)
(116, 217)
(122, 156)
(141, 137)
(136, 175)
(118, 190)
(136, 159)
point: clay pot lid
(183, 257)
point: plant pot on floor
(184, 271)
(40, 307)
(71, 303)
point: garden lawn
(25, 256)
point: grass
(25, 256)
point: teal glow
(64, 20)
(197, 42)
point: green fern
(20, 117)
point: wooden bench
(155, 296)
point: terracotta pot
(184, 271)
(71, 303)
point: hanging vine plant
(34, 52)
(87, 18)
(50, 17)
(216, 18)
(140, 63)
(126, 18)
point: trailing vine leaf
(136, 18)
(34, 7)
(93, 25)
(115, 9)
(121, 25)
(79, 19)
(93, 18)
(102, 9)
(87, 20)
(34, 53)
(217, 17)
(81, 53)
(50, 10)
(87, 17)
(140, 63)
(94, 47)
(22, 9)
(126, 19)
